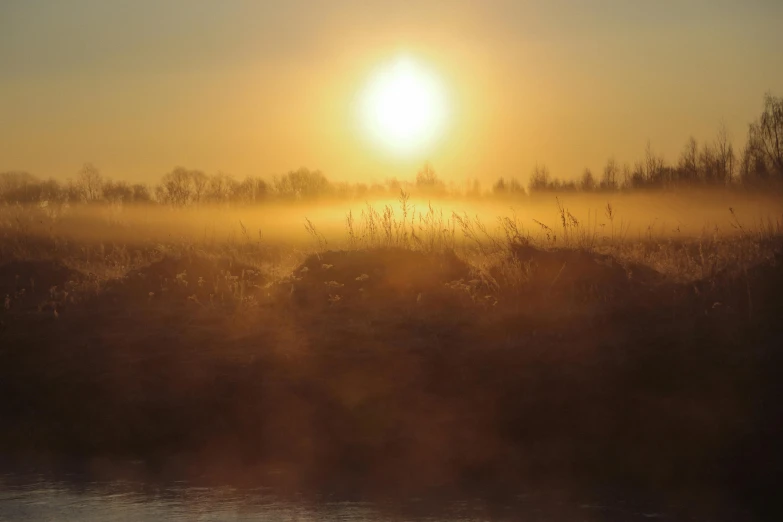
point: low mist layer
(399, 350)
(600, 217)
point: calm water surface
(41, 497)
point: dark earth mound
(668, 395)
(743, 290)
(375, 277)
(194, 277)
(31, 285)
(582, 274)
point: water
(38, 497)
(113, 502)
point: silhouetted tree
(117, 192)
(19, 187)
(653, 168)
(71, 192)
(12, 180)
(725, 159)
(251, 190)
(635, 178)
(539, 179)
(90, 182)
(198, 184)
(50, 190)
(175, 187)
(220, 188)
(510, 186)
(688, 167)
(765, 138)
(587, 183)
(427, 179)
(141, 193)
(302, 183)
(609, 178)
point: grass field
(401, 347)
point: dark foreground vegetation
(399, 366)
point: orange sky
(262, 87)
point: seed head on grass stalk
(319, 238)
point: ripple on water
(37, 498)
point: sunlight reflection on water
(37, 498)
(110, 502)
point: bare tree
(725, 159)
(653, 167)
(302, 183)
(708, 164)
(198, 184)
(21, 187)
(13, 180)
(117, 192)
(175, 187)
(221, 188)
(250, 190)
(90, 182)
(428, 180)
(765, 136)
(609, 178)
(539, 179)
(141, 193)
(635, 178)
(500, 186)
(689, 162)
(587, 183)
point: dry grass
(565, 267)
(471, 352)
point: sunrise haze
(259, 88)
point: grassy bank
(425, 352)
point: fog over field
(687, 215)
(433, 261)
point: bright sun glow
(404, 107)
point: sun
(404, 107)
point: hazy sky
(264, 86)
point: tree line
(759, 165)
(709, 164)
